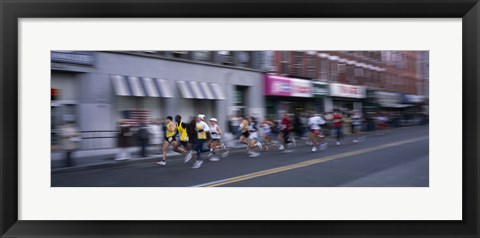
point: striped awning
(141, 86)
(200, 90)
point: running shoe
(314, 149)
(214, 159)
(288, 151)
(188, 157)
(225, 154)
(259, 145)
(162, 163)
(338, 142)
(254, 154)
(355, 141)
(308, 142)
(323, 146)
(197, 164)
(281, 147)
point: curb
(113, 163)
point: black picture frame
(11, 11)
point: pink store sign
(282, 86)
(277, 85)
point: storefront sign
(347, 91)
(301, 88)
(320, 89)
(282, 86)
(74, 57)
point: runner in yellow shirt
(171, 130)
(183, 139)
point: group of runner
(193, 136)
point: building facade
(358, 80)
(143, 85)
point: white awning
(136, 86)
(218, 92)
(140, 87)
(150, 87)
(196, 90)
(164, 88)
(184, 89)
(120, 85)
(207, 91)
(201, 90)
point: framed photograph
(239, 118)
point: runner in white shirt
(357, 126)
(253, 138)
(215, 133)
(316, 136)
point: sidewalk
(105, 158)
(94, 159)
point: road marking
(305, 163)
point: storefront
(288, 94)
(390, 101)
(345, 97)
(67, 71)
(417, 102)
(320, 92)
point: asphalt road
(398, 158)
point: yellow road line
(309, 163)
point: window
(285, 56)
(349, 73)
(202, 55)
(358, 72)
(243, 58)
(311, 67)
(333, 71)
(323, 70)
(179, 54)
(226, 57)
(297, 64)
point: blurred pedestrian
(124, 140)
(143, 138)
(155, 132)
(70, 137)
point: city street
(398, 158)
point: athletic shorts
(246, 134)
(315, 131)
(172, 139)
(183, 143)
(253, 135)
